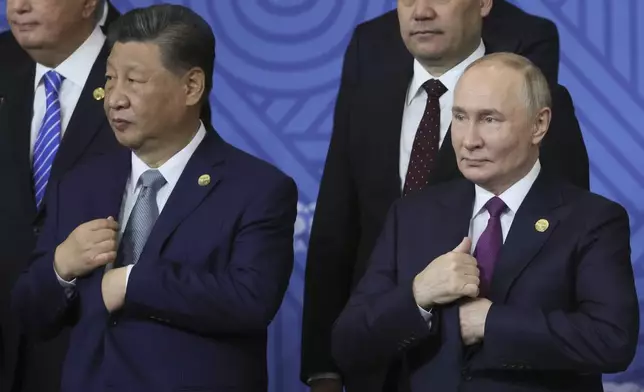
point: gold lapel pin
(99, 93)
(204, 180)
(541, 225)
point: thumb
(464, 246)
(110, 218)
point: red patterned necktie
(489, 244)
(426, 141)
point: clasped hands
(92, 245)
(450, 277)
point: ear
(541, 125)
(89, 8)
(486, 7)
(195, 86)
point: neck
(53, 57)
(156, 155)
(438, 67)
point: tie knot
(495, 207)
(434, 88)
(53, 80)
(152, 179)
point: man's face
(144, 101)
(44, 24)
(494, 134)
(441, 30)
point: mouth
(24, 26)
(474, 162)
(426, 33)
(120, 124)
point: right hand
(326, 385)
(90, 245)
(448, 278)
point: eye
(108, 78)
(489, 119)
(458, 116)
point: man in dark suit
(379, 114)
(508, 280)
(183, 302)
(45, 36)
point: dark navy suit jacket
(210, 279)
(564, 307)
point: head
(159, 73)
(501, 113)
(442, 33)
(59, 26)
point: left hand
(113, 288)
(473, 314)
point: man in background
(51, 119)
(391, 138)
(510, 279)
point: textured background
(277, 72)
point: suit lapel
(87, 120)
(208, 159)
(386, 112)
(524, 241)
(18, 109)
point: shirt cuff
(427, 315)
(127, 274)
(323, 376)
(68, 286)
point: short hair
(185, 39)
(98, 12)
(536, 88)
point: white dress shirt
(75, 69)
(417, 100)
(171, 171)
(106, 9)
(512, 197)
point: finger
(464, 246)
(471, 290)
(104, 246)
(96, 237)
(470, 270)
(471, 279)
(100, 224)
(104, 258)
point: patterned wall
(277, 72)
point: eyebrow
(481, 112)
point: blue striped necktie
(48, 139)
(142, 218)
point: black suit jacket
(361, 181)
(24, 365)
(564, 306)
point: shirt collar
(106, 9)
(513, 196)
(449, 78)
(77, 67)
(173, 167)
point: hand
(473, 314)
(448, 278)
(90, 245)
(326, 385)
(113, 288)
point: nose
(115, 97)
(18, 6)
(472, 137)
(424, 9)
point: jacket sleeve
(334, 235)
(598, 336)
(382, 320)
(43, 306)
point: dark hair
(184, 38)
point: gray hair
(98, 12)
(184, 38)
(536, 89)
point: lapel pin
(204, 180)
(99, 93)
(541, 225)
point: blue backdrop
(277, 72)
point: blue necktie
(142, 218)
(49, 135)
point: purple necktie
(489, 244)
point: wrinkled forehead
(490, 87)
